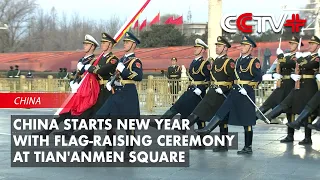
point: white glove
(108, 86)
(86, 67)
(219, 91)
(117, 83)
(279, 51)
(243, 91)
(197, 91)
(74, 87)
(277, 76)
(120, 67)
(299, 54)
(319, 52)
(318, 77)
(295, 77)
(80, 66)
(305, 54)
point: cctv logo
(245, 21)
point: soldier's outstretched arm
(136, 73)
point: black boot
(192, 120)
(275, 112)
(298, 122)
(290, 131)
(66, 133)
(247, 149)
(110, 133)
(214, 122)
(201, 125)
(223, 131)
(307, 136)
(263, 109)
(315, 126)
(128, 149)
(167, 115)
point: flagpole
(182, 23)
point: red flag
(169, 20)
(155, 19)
(136, 25)
(178, 21)
(143, 24)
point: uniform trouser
(248, 136)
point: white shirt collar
(127, 55)
(196, 59)
(221, 55)
(87, 56)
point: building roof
(153, 59)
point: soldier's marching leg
(223, 132)
(169, 114)
(201, 124)
(248, 135)
(214, 122)
(60, 119)
(315, 126)
(263, 109)
(89, 134)
(110, 134)
(307, 133)
(275, 112)
(302, 117)
(290, 132)
(128, 149)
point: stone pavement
(270, 160)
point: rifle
(297, 69)
(278, 68)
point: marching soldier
(89, 46)
(305, 88)
(174, 74)
(222, 74)
(125, 102)
(285, 66)
(16, 72)
(199, 76)
(103, 70)
(237, 107)
(10, 72)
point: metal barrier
(154, 92)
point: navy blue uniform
(199, 75)
(125, 101)
(239, 108)
(222, 75)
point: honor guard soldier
(238, 107)
(305, 88)
(285, 67)
(89, 46)
(10, 72)
(124, 103)
(103, 70)
(174, 74)
(199, 77)
(222, 76)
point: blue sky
(102, 9)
